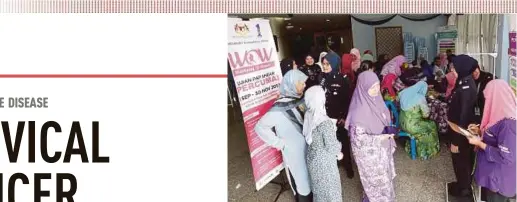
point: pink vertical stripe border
(259, 6)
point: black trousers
(342, 135)
(463, 163)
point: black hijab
(464, 65)
(286, 65)
(312, 71)
(305, 67)
(484, 77)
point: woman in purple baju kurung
(372, 143)
(495, 168)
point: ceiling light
(287, 19)
(328, 20)
(289, 27)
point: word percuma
(25, 102)
(74, 134)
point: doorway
(344, 38)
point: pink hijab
(451, 82)
(500, 103)
(393, 66)
(387, 83)
(357, 62)
(346, 66)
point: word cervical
(48, 130)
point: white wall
(364, 35)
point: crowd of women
(334, 110)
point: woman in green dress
(413, 120)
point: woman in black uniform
(338, 95)
(461, 112)
(481, 78)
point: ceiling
(307, 23)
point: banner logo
(241, 29)
(259, 34)
(249, 58)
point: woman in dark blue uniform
(461, 112)
(481, 78)
(338, 95)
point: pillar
(502, 66)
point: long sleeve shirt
(495, 168)
(461, 107)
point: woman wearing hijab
(461, 112)
(481, 78)
(438, 108)
(367, 57)
(281, 128)
(312, 70)
(320, 60)
(387, 89)
(372, 142)
(451, 82)
(332, 56)
(338, 93)
(393, 66)
(495, 167)
(287, 64)
(414, 111)
(356, 59)
(324, 149)
(346, 67)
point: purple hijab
(367, 111)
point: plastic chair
(393, 109)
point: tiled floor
(416, 181)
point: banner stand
(255, 70)
(284, 185)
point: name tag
(465, 87)
(477, 111)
